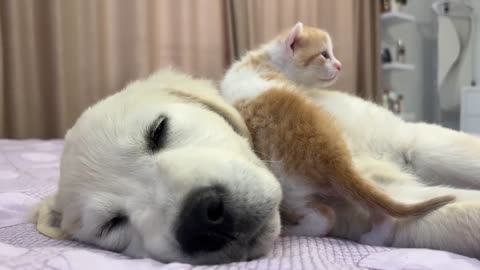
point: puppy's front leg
(443, 156)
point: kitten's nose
(338, 65)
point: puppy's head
(163, 169)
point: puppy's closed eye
(114, 223)
(157, 133)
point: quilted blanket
(29, 172)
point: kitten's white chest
(241, 83)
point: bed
(29, 172)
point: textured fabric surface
(29, 172)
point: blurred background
(418, 58)
(57, 57)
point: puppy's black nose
(205, 223)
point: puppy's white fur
(106, 168)
(411, 161)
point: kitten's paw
(372, 238)
(313, 223)
(380, 234)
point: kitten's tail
(364, 191)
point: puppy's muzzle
(205, 222)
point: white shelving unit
(397, 66)
(387, 20)
(390, 19)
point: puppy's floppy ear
(292, 37)
(48, 220)
(232, 116)
(216, 104)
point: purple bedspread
(29, 172)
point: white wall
(419, 86)
(476, 4)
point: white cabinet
(470, 110)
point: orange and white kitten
(311, 157)
(409, 161)
(306, 151)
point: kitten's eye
(112, 224)
(157, 133)
(325, 55)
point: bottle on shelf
(400, 51)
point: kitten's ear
(48, 219)
(292, 37)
